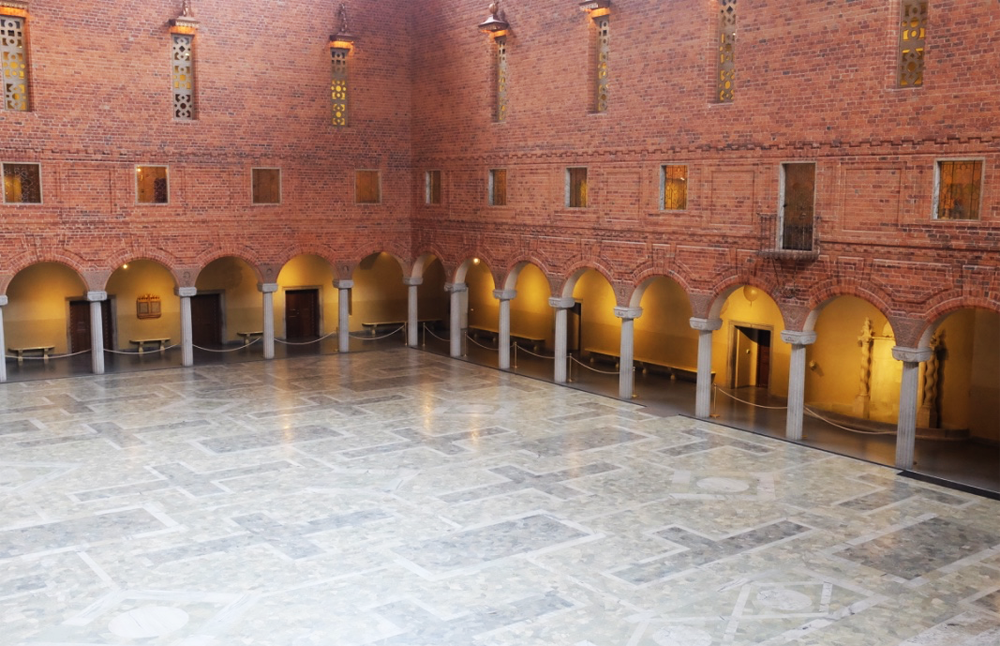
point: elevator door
(206, 320)
(301, 313)
(79, 325)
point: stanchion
(715, 399)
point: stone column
(703, 390)
(97, 331)
(343, 314)
(562, 306)
(505, 296)
(412, 313)
(187, 335)
(906, 428)
(3, 342)
(626, 371)
(268, 289)
(796, 380)
(455, 324)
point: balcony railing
(793, 241)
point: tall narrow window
(498, 187)
(22, 183)
(674, 187)
(183, 76)
(501, 72)
(151, 185)
(912, 33)
(603, 50)
(958, 189)
(338, 90)
(726, 80)
(15, 63)
(266, 185)
(366, 187)
(799, 193)
(576, 187)
(432, 188)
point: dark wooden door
(301, 313)
(206, 320)
(79, 325)
(763, 358)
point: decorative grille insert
(338, 90)
(183, 77)
(912, 33)
(22, 184)
(501, 79)
(15, 63)
(959, 187)
(603, 50)
(727, 51)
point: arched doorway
(227, 307)
(147, 315)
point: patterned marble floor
(401, 498)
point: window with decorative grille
(498, 187)
(366, 187)
(22, 183)
(151, 185)
(266, 185)
(501, 74)
(673, 180)
(338, 88)
(603, 51)
(958, 189)
(432, 183)
(15, 63)
(576, 187)
(726, 69)
(799, 193)
(912, 34)
(183, 76)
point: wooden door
(763, 358)
(79, 325)
(301, 313)
(206, 320)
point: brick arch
(122, 260)
(936, 316)
(463, 267)
(515, 267)
(422, 260)
(209, 258)
(5, 279)
(62, 256)
(646, 277)
(160, 257)
(725, 287)
(578, 269)
(827, 292)
(293, 251)
(346, 268)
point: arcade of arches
(843, 371)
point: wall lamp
(343, 39)
(596, 8)
(496, 24)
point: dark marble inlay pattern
(413, 439)
(321, 402)
(701, 551)
(592, 410)
(279, 437)
(17, 426)
(182, 477)
(77, 531)
(707, 440)
(519, 480)
(990, 602)
(114, 433)
(895, 491)
(918, 549)
(581, 441)
(490, 543)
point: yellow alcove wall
(530, 312)
(760, 312)
(969, 383)
(379, 294)
(663, 333)
(307, 271)
(484, 310)
(243, 302)
(601, 328)
(140, 278)
(432, 300)
(37, 307)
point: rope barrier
(540, 356)
(603, 372)
(743, 401)
(325, 336)
(367, 337)
(136, 353)
(242, 347)
(469, 337)
(431, 332)
(51, 356)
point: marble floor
(397, 497)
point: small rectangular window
(266, 185)
(151, 184)
(673, 186)
(366, 187)
(576, 187)
(799, 197)
(958, 188)
(22, 183)
(432, 189)
(498, 187)
(15, 63)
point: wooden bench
(248, 337)
(44, 350)
(142, 343)
(374, 326)
(535, 342)
(684, 373)
(606, 356)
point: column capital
(795, 337)
(410, 281)
(454, 288)
(628, 313)
(505, 294)
(267, 288)
(705, 325)
(186, 292)
(97, 296)
(3, 300)
(911, 355)
(343, 284)
(562, 302)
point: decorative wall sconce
(496, 24)
(185, 23)
(343, 39)
(596, 8)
